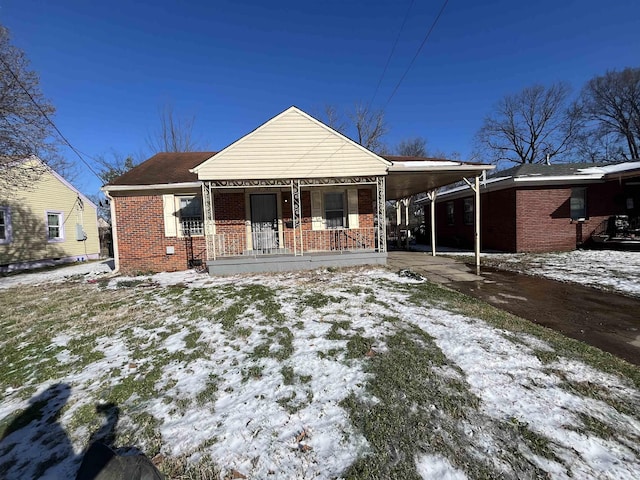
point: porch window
(450, 216)
(5, 226)
(578, 203)
(468, 211)
(55, 227)
(190, 216)
(334, 209)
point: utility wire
(393, 49)
(44, 114)
(433, 25)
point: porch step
(286, 263)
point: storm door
(264, 222)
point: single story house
(291, 194)
(47, 223)
(540, 208)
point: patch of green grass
(330, 354)
(129, 283)
(537, 443)
(318, 300)
(254, 371)
(334, 332)
(208, 394)
(358, 346)
(295, 402)
(288, 377)
(596, 426)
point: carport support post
(432, 196)
(477, 224)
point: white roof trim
(435, 166)
(307, 116)
(157, 186)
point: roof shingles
(164, 168)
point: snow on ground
(605, 269)
(57, 274)
(259, 389)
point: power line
(393, 49)
(46, 116)
(433, 25)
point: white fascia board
(437, 167)
(580, 178)
(158, 186)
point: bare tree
(362, 124)
(531, 126)
(370, 127)
(413, 147)
(612, 103)
(25, 130)
(175, 133)
(111, 168)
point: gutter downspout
(114, 232)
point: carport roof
(411, 175)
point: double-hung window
(190, 215)
(55, 226)
(450, 213)
(334, 209)
(578, 203)
(5, 225)
(468, 211)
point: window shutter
(169, 210)
(352, 201)
(316, 210)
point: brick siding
(142, 243)
(142, 246)
(532, 219)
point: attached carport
(408, 176)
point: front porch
(258, 226)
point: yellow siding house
(50, 222)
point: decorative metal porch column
(296, 214)
(381, 214)
(209, 220)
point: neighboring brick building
(540, 208)
(291, 194)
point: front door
(264, 222)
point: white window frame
(60, 237)
(179, 219)
(6, 214)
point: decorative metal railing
(292, 242)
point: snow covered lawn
(605, 269)
(329, 374)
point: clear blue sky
(109, 66)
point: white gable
(292, 145)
